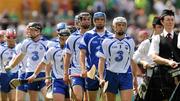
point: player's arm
(101, 66)
(83, 50)
(102, 54)
(48, 69)
(134, 68)
(15, 61)
(67, 59)
(82, 62)
(82, 59)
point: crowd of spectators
(139, 13)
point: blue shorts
(118, 81)
(60, 87)
(36, 86)
(78, 81)
(91, 85)
(4, 81)
(22, 87)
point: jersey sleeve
(84, 41)
(24, 46)
(132, 46)
(102, 52)
(48, 56)
(1, 50)
(69, 45)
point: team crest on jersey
(35, 56)
(9, 58)
(126, 47)
(41, 48)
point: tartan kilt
(161, 84)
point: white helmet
(119, 19)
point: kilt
(161, 84)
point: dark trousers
(161, 85)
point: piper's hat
(167, 12)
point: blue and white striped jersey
(72, 47)
(34, 51)
(91, 42)
(6, 55)
(118, 53)
(54, 55)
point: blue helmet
(60, 26)
(99, 14)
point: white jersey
(53, 42)
(6, 55)
(118, 53)
(54, 55)
(34, 51)
(72, 47)
(23, 64)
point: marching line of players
(67, 55)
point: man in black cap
(157, 26)
(165, 54)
